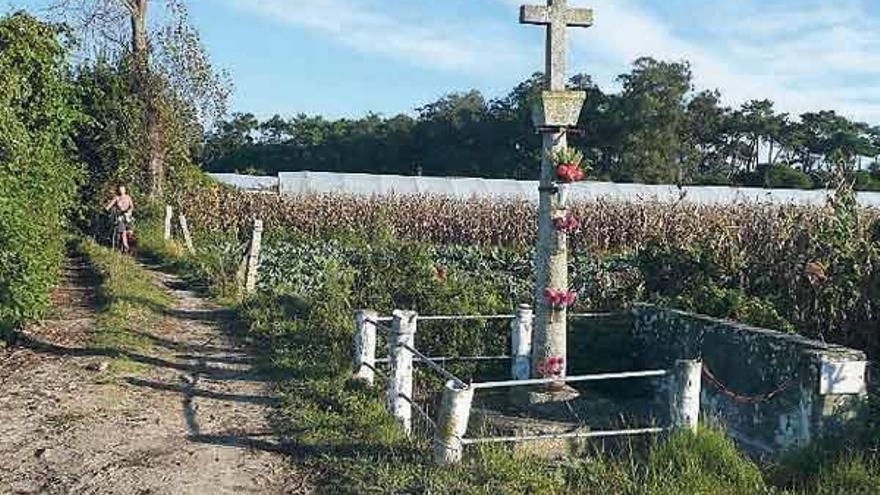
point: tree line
(657, 129)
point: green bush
(785, 177)
(38, 179)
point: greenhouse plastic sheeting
(248, 182)
(293, 183)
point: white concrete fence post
(455, 411)
(169, 216)
(521, 343)
(253, 262)
(400, 384)
(685, 387)
(184, 227)
(365, 346)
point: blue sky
(347, 57)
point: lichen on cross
(557, 16)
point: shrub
(785, 177)
(38, 179)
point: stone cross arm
(556, 14)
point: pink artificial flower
(558, 298)
(569, 172)
(566, 224)
(552, 367)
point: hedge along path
(179, 409)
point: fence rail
(459, 359)
(434, 366)
(557, 436)
(455, 406)
(571, 379)
(466, 317)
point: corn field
(606, 226)
(818, 268)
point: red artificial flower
(569, 172)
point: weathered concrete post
(521, 343)
(365, 346)
(184, 227)
(253, 262)
(685, 386)
(455, 412)
(400, 384)
(558, 110)
(169, 216)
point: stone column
(685, 387)
(365, 346)
(551, 263)
(521, 343)
(253, 263)
(169, 216)
(400, 383)
(455, 411)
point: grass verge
(128, 301)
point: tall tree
(652, 102)
(167, 62)
(705, 133)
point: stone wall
(822, 382)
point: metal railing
(454, 416)
(451, 424)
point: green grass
(340, 431)
(213, 267)
(128, 303)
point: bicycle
(119, 227)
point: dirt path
(189, 416)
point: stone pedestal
(548, 395)
(493, 423)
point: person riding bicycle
(122, 208)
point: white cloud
(420, 41)
(804, 55)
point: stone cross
(557, 16)
(558, 109)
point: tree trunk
(139, 39)
(755, 154)
(155, 150)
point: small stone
(26, 487)
(99, 367)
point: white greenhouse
(294, 183)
